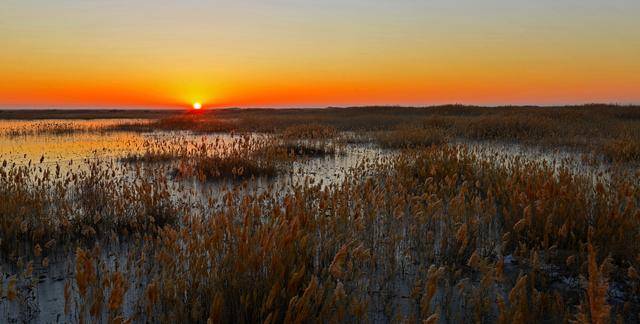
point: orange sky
(284, 54)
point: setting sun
(197, 106)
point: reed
(435, 232)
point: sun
(197, 105)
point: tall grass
(234, 157)
(435, 233)
(40, 204)
(458, 232)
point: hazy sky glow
(259, 53)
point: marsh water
(75, 144)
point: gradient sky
(260, 53)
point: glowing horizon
(315, 54)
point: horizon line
(210, 108)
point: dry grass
(473, 240)
(310, 132)
(40, 205)
(436, 233)
(437, 219)
(68, 127)
(235, 157)
(622, 150)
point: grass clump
(229, 167)
(163, 150)
(238, 158)
(235, 157)
(622, 150)
(40, 205)
(309, 132)
(195, 123)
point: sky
(285, 53)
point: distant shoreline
(150, 113)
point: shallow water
(87, 141)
